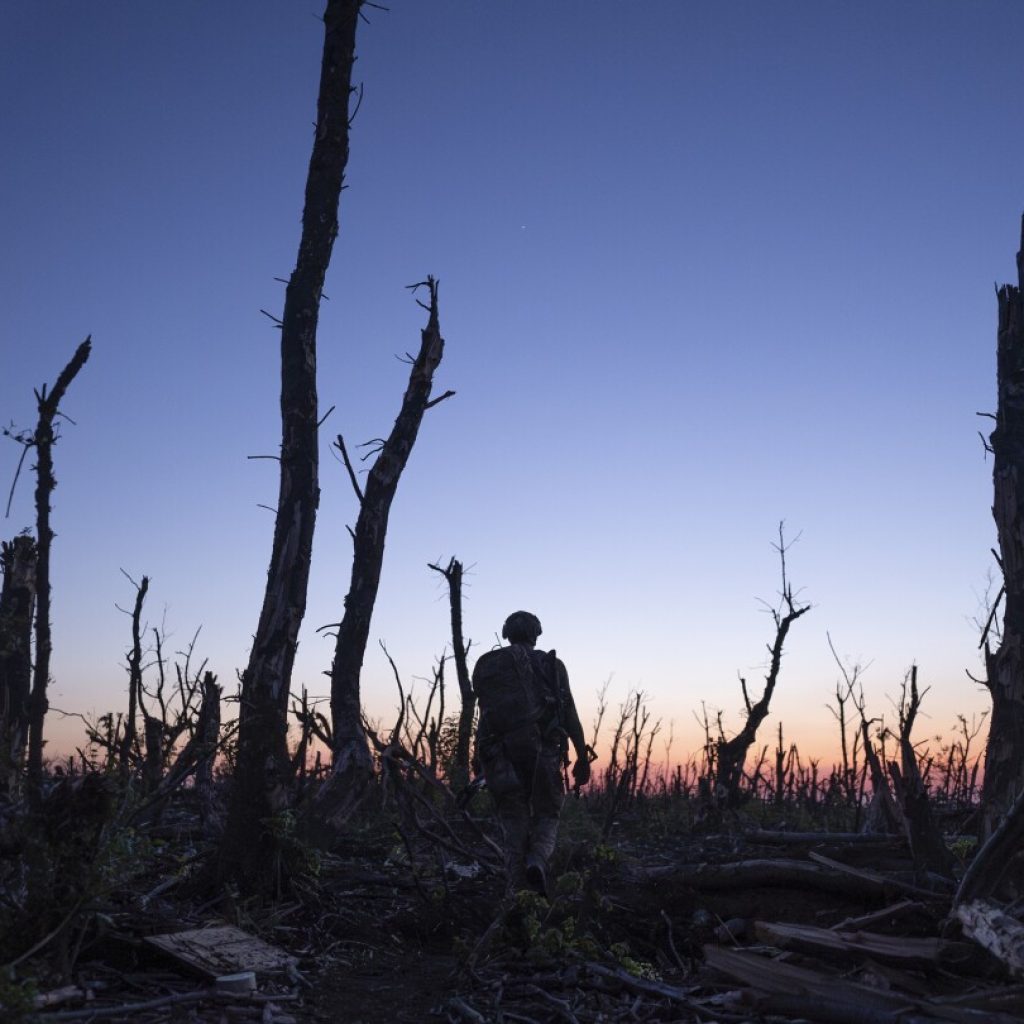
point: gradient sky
(703, 267)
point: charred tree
(262, 774)
(128, 741)
(926, 843)
(352, 762)
(1004, 756)
(43, 440)
(452, 574)
(17, 603)
(731, 754)
(884, 815)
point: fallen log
(798, 991)
(825, 875)
(774, 837)
(899, 949)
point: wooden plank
(221, 950)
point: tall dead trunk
(1004, 756)
(128, 741)
(353, 765)
(17, 603)
(43, 440)
(452, 574)
(262, 773)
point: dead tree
(452, 574)
(128, 741)
(43, 440)
(1004, 757)
(195, 758)
(352, 762)
(731, 754)
(926, 843)
(263, 770)
(17, 603)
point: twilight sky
(703, 267)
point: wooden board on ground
(223, 949)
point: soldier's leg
(512, 808)
(546, 804)
(515, 827)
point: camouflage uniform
(523, 769)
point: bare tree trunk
(926, 843)
(884, 815)
(17, 603)
(134, 678)
(460, 762)
(733, 753)
(262, 773)
(353, 765)
(43, 442)
(207, 737)
(153, 763)
(1004, 756)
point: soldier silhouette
(527, 719)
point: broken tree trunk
(927, 845)
(884, 814)
(17, 602)
(352, 763)
(262, 772)
(460, 760)
(43, 441)
(1004, 755)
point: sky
(703, 268)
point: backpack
(511, 689)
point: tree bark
(460, 760)
(263, 774)
(43, 442)
(353, 765)
(17, 603)
(1004, 756)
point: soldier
(527, 715)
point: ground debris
(223, 949)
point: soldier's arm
(571, 717)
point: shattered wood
(223, 950)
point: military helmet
(520, 626)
